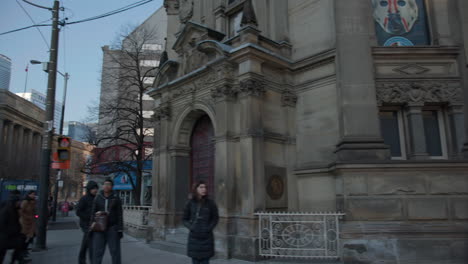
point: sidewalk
(64, 238)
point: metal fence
(136, 216)
(299, 235)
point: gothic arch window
(401, 22)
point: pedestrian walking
(28, 219)
(107, 224)
(10, 229)
(200, 217)
(65, 208)
(83, 211)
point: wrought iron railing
(136, 216)
(299, 235)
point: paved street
(64, 237)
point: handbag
(100, 222)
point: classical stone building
(325, 105)
(21, 126)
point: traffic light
(64, 148)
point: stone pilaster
(417, 138)
(162, 203)
(456, 127)
(359, 125)
(220, 19)
(29, 152)
(2, 138)
(173, 24)
(251, 94)
(9, 142)
(19, 153)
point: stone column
(29, 152)
(9, 153)
(161, 169)
(19, 154)
(251, 95)
(173, 25)
(417, 138)
(2, 139)
(456, 125)
(288, 102)
(37, 155)
(463, 62)
(220, 19)
(225, 167)
(359, 123)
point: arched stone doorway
(202, 153)
(192, 155)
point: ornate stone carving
(411, 69)
(418, 92)
(182, 91)
(223, 92)
(225, 71)
(252, 87)
(194, 59)
(185, 10)
(163, 112)
(288, 98)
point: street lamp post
(66, 76)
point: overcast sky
(80, 51)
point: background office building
(79, 131)
(40, 99)
(5, 72)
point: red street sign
(59, 165)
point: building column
(251, 146)
(2, 139)
(37, 155)
(9, 142)
(457, 129)
(361, 138)
(418, 149)
(29, 153)
(161, 200)
(19, 154)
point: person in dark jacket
(83, 211)
(108, 201)
(10, 228)
(200, 217)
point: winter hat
(92, 185)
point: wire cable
(23, 28)
(34, 22)
(110, 13)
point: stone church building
(318, 105)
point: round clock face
(275, 188)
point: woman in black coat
(200, 217)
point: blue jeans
(200, 261)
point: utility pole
(48, 132)
(59, 175)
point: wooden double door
(202, 155)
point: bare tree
(125, 130)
